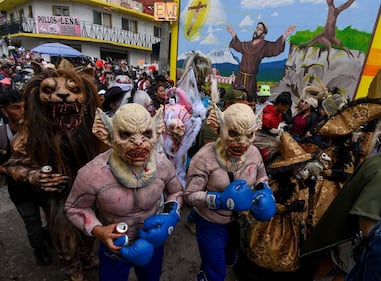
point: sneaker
(43, 256)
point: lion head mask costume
(56, 131)
(59, 113)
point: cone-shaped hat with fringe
(291, 153)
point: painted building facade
(120, 29)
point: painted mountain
(226, 64)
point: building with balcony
(120, 29)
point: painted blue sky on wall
(243, 15)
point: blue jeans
(214, 247)
(368, 262)
(116, 268)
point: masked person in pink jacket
(224, 178)
(130, 183)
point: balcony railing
(88, 30)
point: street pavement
(17, 263)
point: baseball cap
(264, 91)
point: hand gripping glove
(121, 241)
(139, 253)
(264, 207)
(237, 197)
(157, 228)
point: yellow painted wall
(372, 63)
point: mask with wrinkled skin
(133, 134)
(238, 129)
(176, 128)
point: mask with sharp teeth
(67, 116)
(64, 98)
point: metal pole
(168, 53)
(174, 45)
(164, 48)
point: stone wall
(339, 70)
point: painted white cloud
(260, 4)
(247, 21)
(313, 1)
(275, 14)
(210, 39)
(216, 16)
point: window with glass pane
(30, 14)
(125, 24)
(130, 25)
(134, 26)
(107, 20)
(61, 11)
(97, 17)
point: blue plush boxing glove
(237, 197)
(121, 241)
(139, 253)
(157, 228)
(264, 206)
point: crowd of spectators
(118, 83)
(17, 67)
(113, 77)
